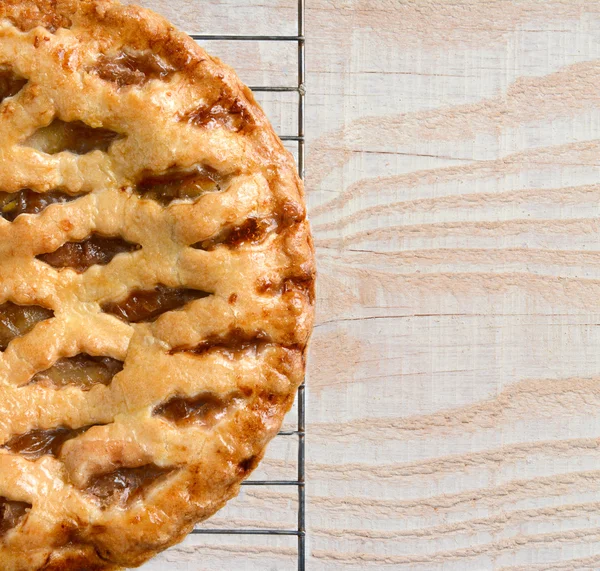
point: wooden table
(453, 182)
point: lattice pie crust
(156, 284)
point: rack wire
(299, 138)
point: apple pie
(156, 284)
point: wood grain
(454, 189)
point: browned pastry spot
(130, 68)
(37, 443)
(83, 371)
(227, 112)
(125, 484)
(10, 83)
(205, 409)
(96, 249)
(11, 514)
(180, 184)
(247, 465)
(252, 231)
(147, 305)
(26, 201)
(17, 320)
(75, 137)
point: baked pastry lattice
(156, 284)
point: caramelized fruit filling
(205, 409)
(235, 341)
(227, 112)
(253, 231)
(302, 283)
(26, 201)
(128, 68)
(11, 514)
(179, 184)
(124, 484)
(83, 371)
(17, 320)
(37, 443)
(75, 137)
(147, 305)
(94, 250)
(10, 83)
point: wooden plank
(453, 182)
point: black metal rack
(299, 483)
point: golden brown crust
(77, 558)
(117, 108)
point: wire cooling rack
(298, 138)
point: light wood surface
(454, 187)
